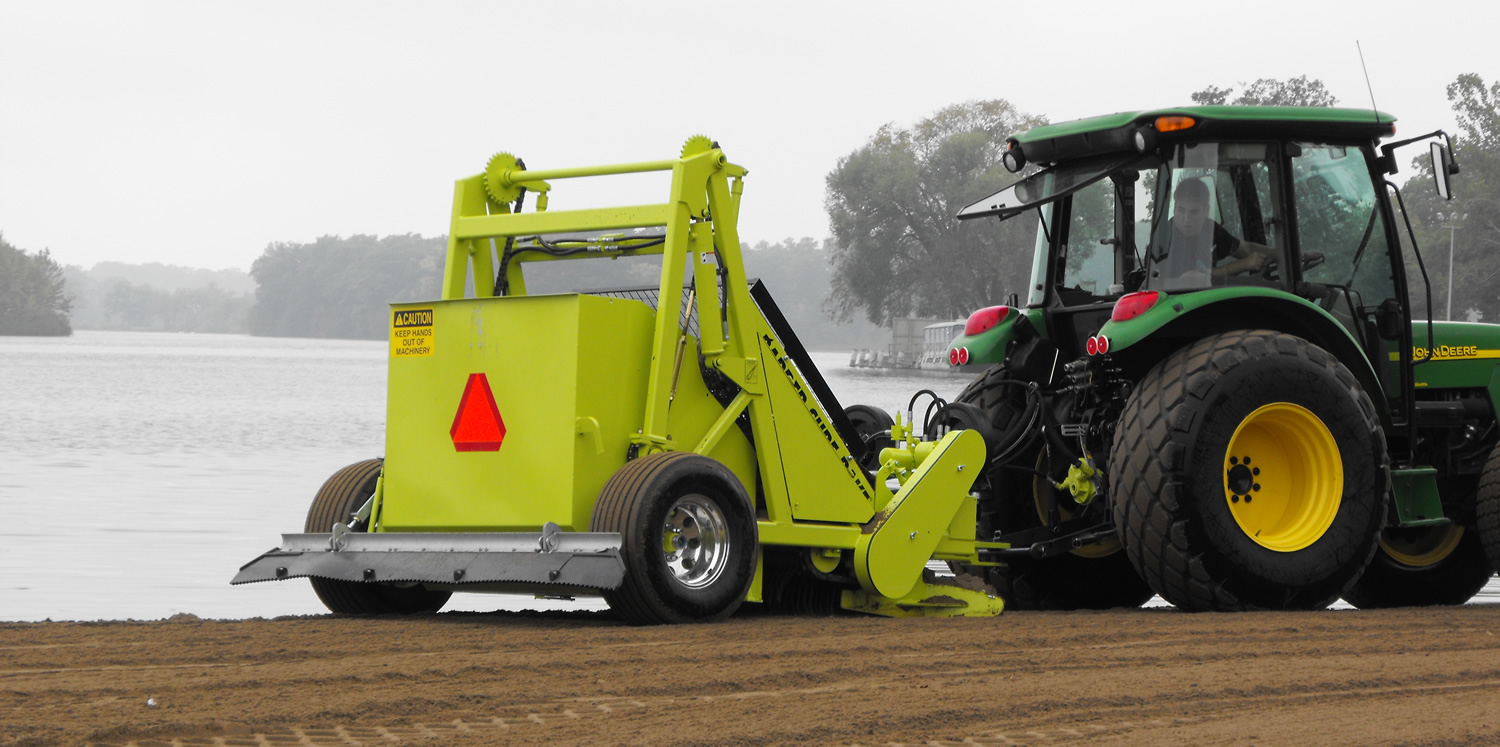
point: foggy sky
(196, 133)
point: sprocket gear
(495, 186)
(698, 144)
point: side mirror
(1442, 166)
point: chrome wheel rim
(695, 541)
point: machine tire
(655, 501)
(336, 502)
(1487, 510)
(1181, 464)
(1096, 577)
(1422, 567)
(873, 426)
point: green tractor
(1216, 389)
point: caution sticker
(411, 333)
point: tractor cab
(1272, 214)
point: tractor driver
(1198, 244)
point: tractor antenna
(1373, 109)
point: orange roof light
(1173, 124)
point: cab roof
(1115, 132)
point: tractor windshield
(1045, 186)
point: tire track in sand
(522, 723)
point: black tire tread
(1149, 448)
(341, 495)
(1487, 510)
(620, 508)
(1454, 580)
(614, 512)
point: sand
(1140, 676)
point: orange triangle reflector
(477, 426)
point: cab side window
(1338, 223)
(1345, 255)
(1088, 253)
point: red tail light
(1132, 305)
(953, 356)
(1092, 346)
(963, 356)
(984, 320)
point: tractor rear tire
(1487, 510)
(1094, 577)
(688, 539)
(1422, 567)
(1249, 472)
(1013, 421)
(342, 495)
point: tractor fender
(1173, 322)
(988, 348)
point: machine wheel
(1094, 577)
(874, 426)
(343, 494)
(1421, 567)
(688, 539)
(1250, 472)
(1487, 510)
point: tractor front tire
(343, 494)
(688, 539)
(1250, 472)
(1422, 567)
(1487, 510)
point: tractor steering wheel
(1268, 268)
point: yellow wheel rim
(1421, 547)
(1283, 478)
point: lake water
(138, 471)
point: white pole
(1451, 229)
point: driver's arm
(1247, 257)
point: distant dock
(916, 344)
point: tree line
(33, 300)
(896, 249)
(336, 287)
(339, 287)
